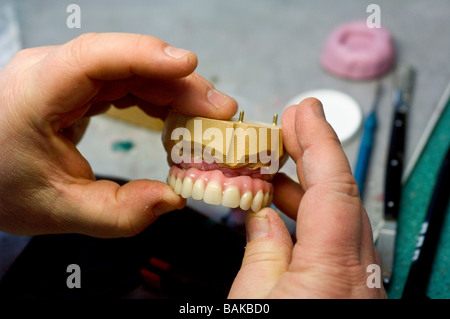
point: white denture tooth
(186, 190)
(178, 186)
(171, 181)
(257, 201)
(231, 197)
(246, 200)
(213, 194)
(198, 190)
(266, 200)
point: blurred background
(263, 53)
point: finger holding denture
(228, 163)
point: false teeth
(233, 170)
(213, 193)
(231, 197)
(171, 181)
(198, 190)
(246, 200)
(257, 201)
(178, 186)
(186, 191)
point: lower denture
(213, 187)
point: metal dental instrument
(404, 82)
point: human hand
(334, 243)
(46, 97)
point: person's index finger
(109, 56)
(69, 77)
(72, 74)
(289, 136)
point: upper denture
(213, 187)
(223, 162)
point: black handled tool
(404, 82)
(428, 239)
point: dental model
(228, 163)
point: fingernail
(318, 109)
(175, 52)
(257, 226)
(216, 98)
(162, 208)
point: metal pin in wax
(241, 116)
(275, 119)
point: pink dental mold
(357, 52)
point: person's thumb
(105, 209)
(267, 255)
